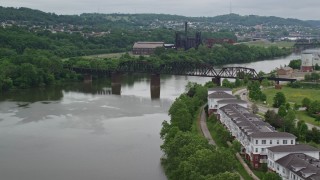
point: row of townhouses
(261, 143)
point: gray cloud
(306, 9)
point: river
(80, 131)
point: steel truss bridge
(180, 68)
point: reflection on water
(82, 131)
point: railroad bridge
(177, 68)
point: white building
(309, 59)
(298, 166)
(306, 62)
(253, 133)
(216, 96)
(278, 154)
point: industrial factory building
(145, 48)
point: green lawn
(292, 95)
(302, 115)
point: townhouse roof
(246, 121)
(272, 135)
(219, 89)
(293, 148)
(232, 101)
(301, 164)
(221, 95)
(150, 45)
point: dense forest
(187, 154)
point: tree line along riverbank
(33, 59)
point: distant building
(309, 59)
(306, 62)
(285, 71)
(145, 48)
(186, 42)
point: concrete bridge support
(155, 86)
(87, 78)
(116, 83)
(217, 80)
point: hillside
(27, 15)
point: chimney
(186, 28)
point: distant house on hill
(145, 48)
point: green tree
(274, 119)
(271, 176)
(279, 99)
(302, 130)
(314, 107)
(226, 176)
(282, 112)
(238, 82)
(265, 82)
(295, 64)
(254, 90)
(236, 146)
(289, 121)
(317, 119)
(306, 102)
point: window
(256, 150)
(277, 141)
(270, 141)
(256, 141)
(277, 167)
(264, 141)
(262, 149)
(285, 142)
(291, 141)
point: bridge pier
(217, 80)
(116, 83)
(155, 86)
(87, 78)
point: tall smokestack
(186, 29)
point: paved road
(263, 109)
(204, 127)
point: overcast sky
(300, 9)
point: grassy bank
(302, 115)
(292, 95)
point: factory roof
(150, 45)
